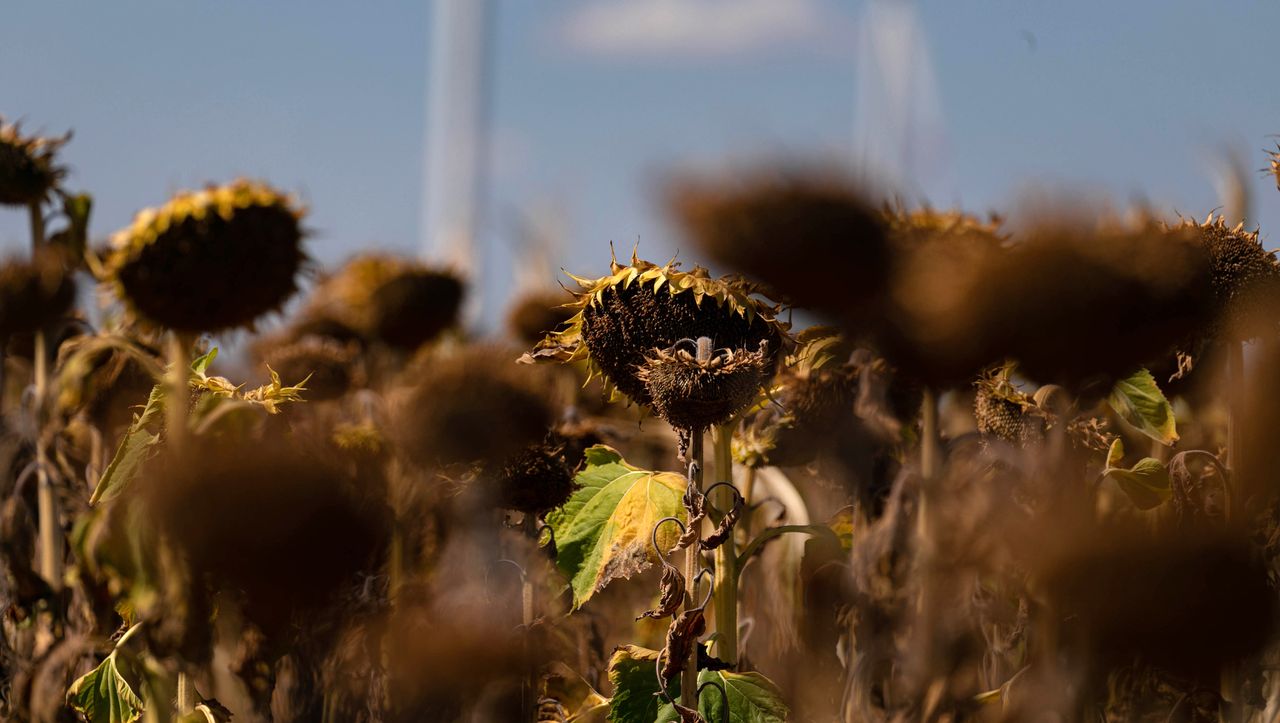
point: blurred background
(408, 125)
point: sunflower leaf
(1138, 400)
(750, 697)
(604, 531)
(103, 695)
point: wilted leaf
(725, 529)
(568, 698)
(1139, 401)
(682, 635)
(605, 530)
(103, 695)
(695, 509)
(1146, 483)
(672, 594)
(135, 448)
(752, 698)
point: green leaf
(135, 448)
(103, 695)
(1146, 483)
(604, 531)
(633, 674)
(200, 365)
(1139, 401)
(752, 698)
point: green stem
(725, 598)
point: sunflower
(1246, 280)
(209, 260)
(1005, 412)
(638, 314)
(389, 299)
(27, 169)
(35, 293)
(773, 225)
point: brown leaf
(695, 507)
(682, 635)
(672, 587)
(724, 530)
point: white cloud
(691, 27)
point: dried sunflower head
(537, 479)
(1071, 302)
(209, 260)
(1246, 280)
(1079, 303)
(35, 293)
(281, 527)
(28, 172)
(535, 315)
(389, 299)
(931, 329)
(622, 319)
(1005, 412)
(811, 237)
(472, 406)
(693, 394)
(816, 409)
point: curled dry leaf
(725, 529)
(682, 635)
(695, 507)
(672, 587)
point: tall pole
(457, 136)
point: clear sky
(595, 100)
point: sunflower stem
(689, 679)
(726, 590)
(50, 531)
(178, 395)
(46, 500)
(529, 694)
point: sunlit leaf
(752, 698)
(604, 531)
(1146, 483)
(635, 685)
(1139, 401)
(137, 446)
(103, 695)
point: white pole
(456, 139)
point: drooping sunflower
(638, 315)
(209, 260)
(1245, 278)
(536, 314)
(1005, 412)
(389, 299)
(773, 226)
(28, 172)
(931, 328)
(35, 293)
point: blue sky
(594, 101)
